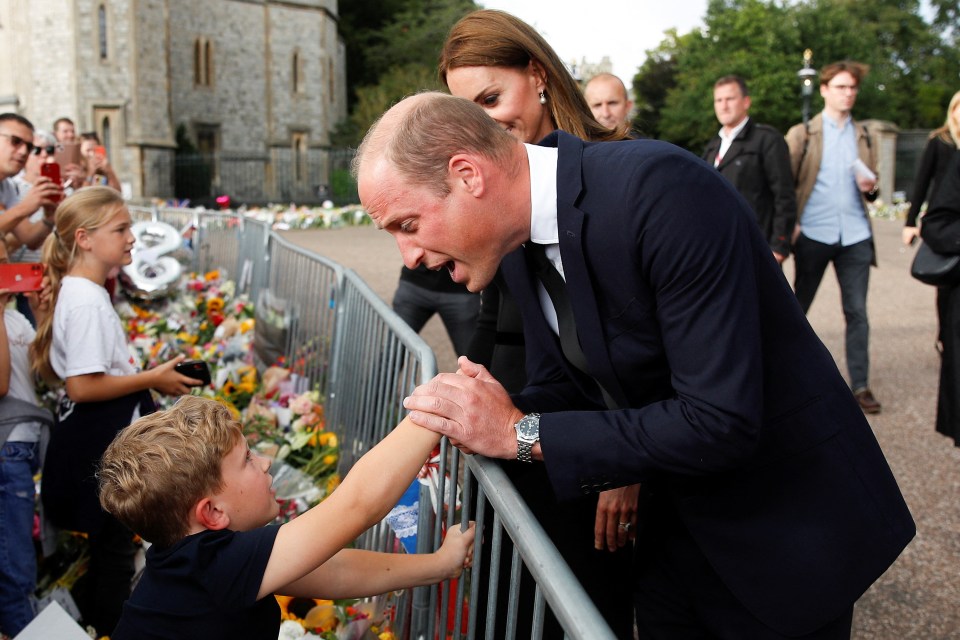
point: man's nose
(411, 253)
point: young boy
(186, 480)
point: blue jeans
(852, 264)
(18, 558)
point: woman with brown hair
(506, 67)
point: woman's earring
(543, 98)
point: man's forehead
(18, 129)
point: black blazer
(758, 165)
(734, 408)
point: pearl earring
(543, 98)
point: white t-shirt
(9, 193)
(19, 335)
(87, 334)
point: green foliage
(392, 51)
(914, 67)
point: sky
(621, 29)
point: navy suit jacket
(731, 405)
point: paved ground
(919, 596)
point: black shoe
(866, 401)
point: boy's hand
(456, 552)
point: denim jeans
(852, 264)
(18, 558)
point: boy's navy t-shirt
(204, 586)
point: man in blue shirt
(833, 167)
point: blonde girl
(83, 343)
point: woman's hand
(616, 522)
(909, 235)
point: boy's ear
(209, 516)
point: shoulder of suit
(768, 129)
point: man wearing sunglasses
(18, 204)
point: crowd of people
(72, 340)
(615, 356)
(590, 353)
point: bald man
(608, 100)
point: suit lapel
(570, 222)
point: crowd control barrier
(348, 344)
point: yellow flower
(387, 635)
(214, 304)
(229, 405)
(332, 483)
(330, 459)
(211, 275)
(246, 325)
(183, 336)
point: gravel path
(919, 597)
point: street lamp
(807, 75)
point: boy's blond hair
(157, 469)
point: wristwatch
(528, 434)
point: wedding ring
(625, 526)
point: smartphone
(67, 153)
(196, 369)
(21, 276)
(52, 171)
(100, 151)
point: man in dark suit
(767, 507)
(755, 159)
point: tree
(914, 68)
(393, 54)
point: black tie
(557, 290)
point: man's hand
(471, 408)
(865, 184)
(44, 193)
(616, 521)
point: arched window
(102, 30)
(208, 62)
(106, 134)
(296, 73)
(198, 62)
(202, 62)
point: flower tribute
(207, 321)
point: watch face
(528, 427)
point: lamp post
(807, 75)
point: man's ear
(467, 173)
(210, 516)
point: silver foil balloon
(154, 273)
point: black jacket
(758, 165)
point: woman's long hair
(89, 209)
(950, 131)
(489, 38)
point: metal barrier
(342, 338)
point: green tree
(392, 55)
(914, 66)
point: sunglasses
(38, 150)
(16, 141)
